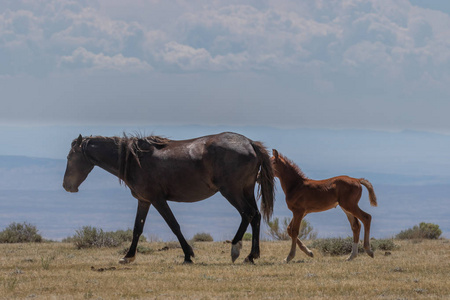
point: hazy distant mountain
(409, 170)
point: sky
(365, 64)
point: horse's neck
(290, 178)
(105, 154)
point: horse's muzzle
(70, 189)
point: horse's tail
(266, 180)
(372, 196)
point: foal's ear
(79, 140)
(275, 153)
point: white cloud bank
(221, 36)
(322, 59)
(85, 59)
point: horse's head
(78, 166)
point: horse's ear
(275, 153)
(79, 140)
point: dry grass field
(415, 270)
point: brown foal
(304, 196)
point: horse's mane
(132, 147)
(292, 166)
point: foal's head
(78, 166)
(277, 163)
(283, 167)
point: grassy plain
(415, 270)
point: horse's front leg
(141, 215)
(163, 208)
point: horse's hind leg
(163, 208)
(249, 215)
(139, 222)
(356, 228)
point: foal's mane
(292, 166)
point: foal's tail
(368, 185)
(266, 180)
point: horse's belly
(192, 193)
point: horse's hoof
(188, 262)
(236, 251)
(249, 260)
(126, 260)
(311, 254)
(370, 253)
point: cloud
(227, 35)
(309, 55)
(82, 58)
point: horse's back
(231, 142)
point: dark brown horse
(305, 196)
(158, 170)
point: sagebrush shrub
(340, 246)
(383, 244)
(279, 232)
(423, 231)
(89, 236)
(334, 246)
(202, 237)
(247, 236)
(20, 233)
(139, 249)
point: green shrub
(20, 233)
(202, 237)
(140, 249)
(383, 244)
(340, 246)
(89, 236)
(126, 235)
(247, 236)
(423, 231)
(334, 246)
(279, 232)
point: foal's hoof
(370, 253)
(288, 259)
(236, 251)
(310, 254)
(351, 257)
(126, 260)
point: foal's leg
(356, 228)
(365, 218)
(163, 208)
(141, 215)
(293, 230)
